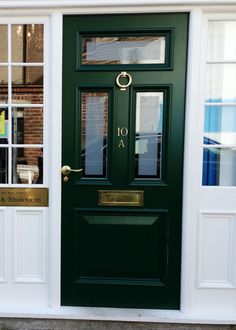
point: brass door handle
(66, 169)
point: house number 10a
(121, 132)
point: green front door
(123, 125)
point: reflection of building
(26, 89)
(34, 121)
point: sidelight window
(22, 103)
(219, 142)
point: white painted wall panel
(29, 240)
(3, 249)
(216, 258)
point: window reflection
(221, 41)
(3, 165)
(3, 85)
(3, 125)
(27, 126)
(3, 44)
(124, 50)
(219, 152)
(219, 167)
(94, 134)
(148, 139)
(220, 125)
(27, 43)
(27, 165)
(220, 83)
(22, 109)
(27, 84)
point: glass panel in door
(94, 134)
(124, 49)
(148, 134)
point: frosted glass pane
(148, 138)
(123, 50)
(94, 134)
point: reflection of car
(148, 150)
(210, 163)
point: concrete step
(45, 324)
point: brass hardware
(123, 75)
(121, 197)
(65, 170)
(23, 196)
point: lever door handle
(66, 169)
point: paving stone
(40, 324)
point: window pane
(221, 44)
(27, 84)
(3, 165)
(27, 125)
(27, 43)
(148, 139)
(3, 85)
(3, 125)
(3, 44)
(94, 134)
(27, 165)
(221, 83)
(123, 50)
(219, 167)
(220, 125)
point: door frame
(191, 298)
(171, 188)
(190, 91)
(193, 126)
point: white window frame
(9, 21)
(192, 160)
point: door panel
(129, 262)
(121, 216)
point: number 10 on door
(121, 132)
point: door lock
(65, 170)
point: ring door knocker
(123, 75)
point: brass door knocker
(123, 75)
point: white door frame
(193, 128)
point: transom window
(22, 103)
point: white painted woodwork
(216, 250)
(29, 245)
(3, 250)
(30, 277)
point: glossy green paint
(123, 256)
